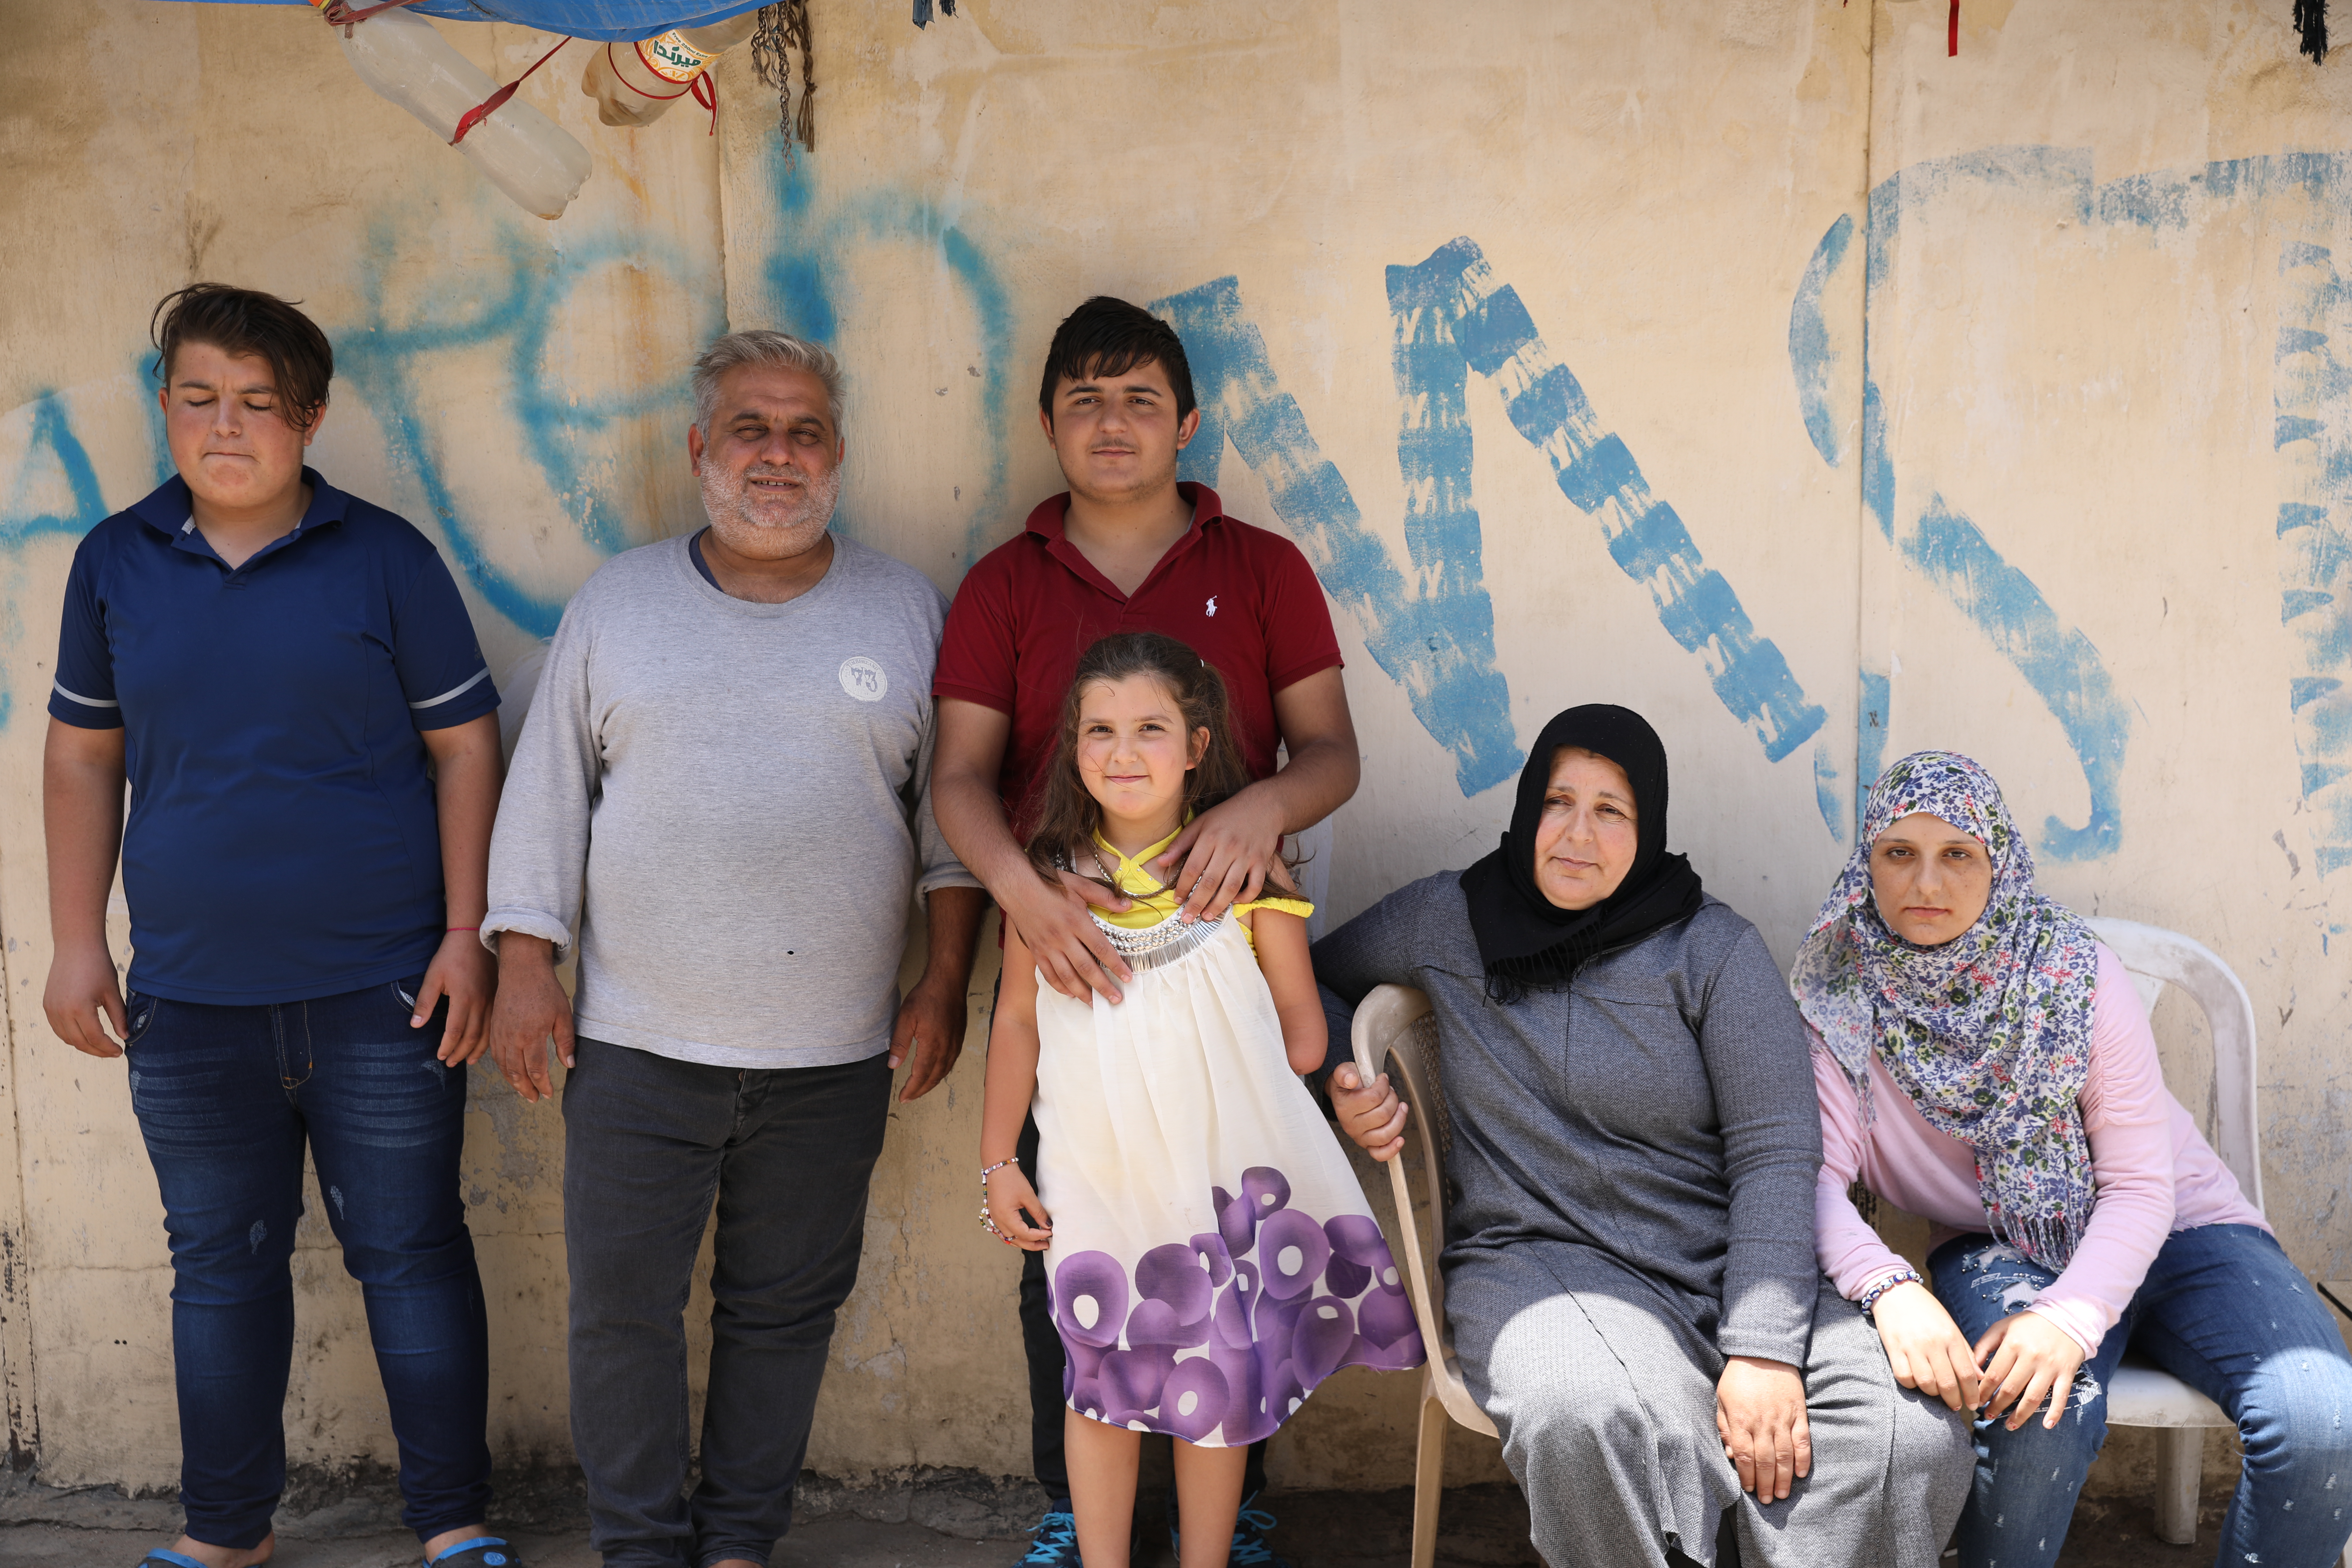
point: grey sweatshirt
(731, 802)
(1659, 1109)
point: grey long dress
(1633, 1162)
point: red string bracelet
(447, 928)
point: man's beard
(726, 500)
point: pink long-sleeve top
(2153, 1172)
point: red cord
(704, 90)
(497, 99)
(632, 87)
(339, 12)
(1952, 32)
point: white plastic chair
(2142, 1394)
(1395, 1033)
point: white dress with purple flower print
(1214, 1258)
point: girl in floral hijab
(1983, 1062)
(1990, 1034)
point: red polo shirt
(1244, 598)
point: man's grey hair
(760, 346)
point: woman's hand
(1009, 1192)
(1925, 1348)
(1759, 1413)
(464, 972)
(2026, 1358)
(1373, 1116)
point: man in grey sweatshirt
(724, 786)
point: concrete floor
(831, 1543)
(1482, 1527)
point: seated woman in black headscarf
(1629, 1263)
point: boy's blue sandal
(482, 1551)
(1056, 1544)
(169, 1560)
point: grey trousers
(650, 1146)
(1605, 1400)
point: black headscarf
(1526, 940)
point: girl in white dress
(1209, 1253)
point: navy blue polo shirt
(282, 842)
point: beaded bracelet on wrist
(988, 1221)
(1905, 1276)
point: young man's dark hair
(242, 322)
(1111, 337)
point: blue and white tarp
(618, 20)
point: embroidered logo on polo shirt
(1212, 606)
(865, 680)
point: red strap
(1952, 31)
(497, 99)
(706, 93)
(632, 87)
(339, 12)
(704, 87)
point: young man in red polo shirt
(1126, 548)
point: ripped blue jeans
(226, 1099)
(2222, 1309)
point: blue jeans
(226, 1099)
(650, 1144)
(2224, 1311)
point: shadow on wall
(1427, 621)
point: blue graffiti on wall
(2057, 661)
(1436, 639)
(52, 445)
(390, 361)
(2314, 530)
(1429, 621)
(813, 263)
(2313, 438)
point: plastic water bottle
(518, 149)
(634, 84)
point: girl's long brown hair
(1068, 816)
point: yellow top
(1154, 903)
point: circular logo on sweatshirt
(865, 680)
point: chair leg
(2179, 1458)
(1428, 1477)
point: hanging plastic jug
(518, 149)
(634, 84)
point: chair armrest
(1384, 1040)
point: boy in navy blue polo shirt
(288, 680)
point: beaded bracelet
(987, 1222)
(1905, 1276)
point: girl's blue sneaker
(1249, 1547)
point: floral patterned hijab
(1988, 1034)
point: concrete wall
(1541, 327)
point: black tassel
(784, 28)
(2311, 21)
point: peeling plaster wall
(1540, 327)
